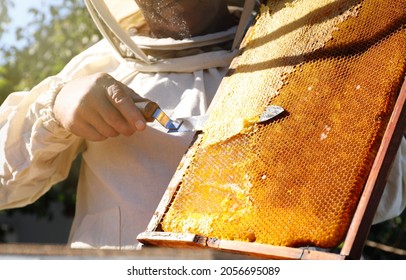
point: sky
(20, 17)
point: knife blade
(196, 123)
(187, 124)
(269, 113)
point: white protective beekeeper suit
(122, 179)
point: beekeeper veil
(119, 20)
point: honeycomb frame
(351, 223)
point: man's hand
(97, 107)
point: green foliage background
(54, 35)
(53, 41)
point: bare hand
(97, 107)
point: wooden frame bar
(362, 220)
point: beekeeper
(89, 108)
(172, 52)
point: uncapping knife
(151, 111)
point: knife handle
(147, 109)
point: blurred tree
(5, 84)
(4, 18)
(58, 32)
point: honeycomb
(336, 68)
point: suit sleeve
(35, 151)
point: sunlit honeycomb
(336, 68)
